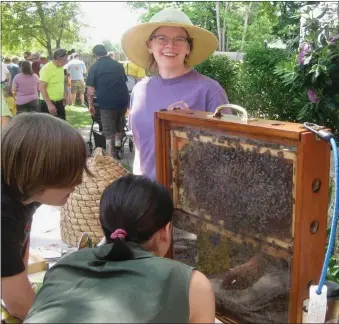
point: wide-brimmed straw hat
(134, 40)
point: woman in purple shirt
(25, 89)
(167, 47)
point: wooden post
(313, 157)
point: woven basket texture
(80, 214)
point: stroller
(100, 140)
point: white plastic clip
(317, 306)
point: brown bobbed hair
(40, 151)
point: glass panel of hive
(234, 200)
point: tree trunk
(217, 9)
(302, 31)
(58, 41)
(247, 13)
(224, 28)
(229, 7)
(44, 27)
(49, 50)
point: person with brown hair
(25, 89)
(42, 160)
(27, 56)
(168, 47)
(35, 57)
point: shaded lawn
(78, 117)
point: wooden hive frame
(310, 203)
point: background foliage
(39, 25)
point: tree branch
(323, 13)
(60, 35)
(43, 22)
(40, 41)
(23, 10)
(20, 26)
(247, 13)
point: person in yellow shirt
(6, 114)
(134, 70)
(134, 74)
(52, 85)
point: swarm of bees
(248, 190)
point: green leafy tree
(287, 16)
(48, 24)
(116, 48)
(111, 47)
(224, 19)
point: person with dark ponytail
(126, 280)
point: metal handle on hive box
(218, 110)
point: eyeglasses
(176, 41)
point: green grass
(78, 117)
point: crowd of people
(39, 85)
(127, 279)
(36, 84)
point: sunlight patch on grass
(78, 117)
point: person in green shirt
(52, 85)
(128, 279)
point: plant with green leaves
(315, 73)
(262, 93)
(223, 70)
(333, 265)
(237, 25)
(333, 270)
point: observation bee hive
(250, 201)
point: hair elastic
(118, 233)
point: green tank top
(80, 288)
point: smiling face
(169, 47)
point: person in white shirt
(5, 75)
(77, 68)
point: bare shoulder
(202, 301)
(200, 282)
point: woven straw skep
(81, 212)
